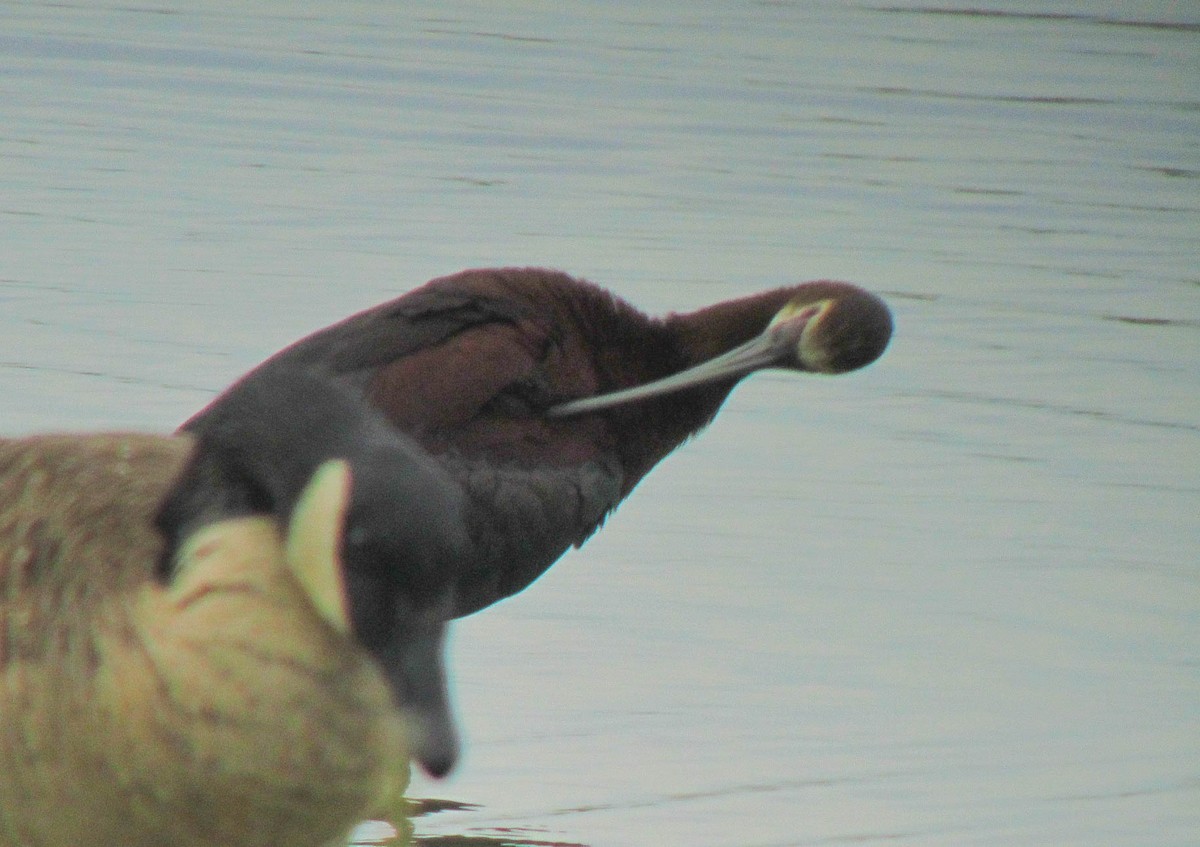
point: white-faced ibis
(180, 665)
(548, 398)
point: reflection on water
(515, 840)
(398, 833)
(952, 599)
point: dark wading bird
(183, 623)
(548, 398)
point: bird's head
(403, 535)
(825, 327)
(830, 328)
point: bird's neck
(663, 423)
(717, 329)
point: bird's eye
(808, 312)
(356, 536)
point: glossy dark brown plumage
(481, 369)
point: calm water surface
(951, 600)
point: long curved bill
(776, 347)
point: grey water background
(953, 599)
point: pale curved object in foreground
(226, 706)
